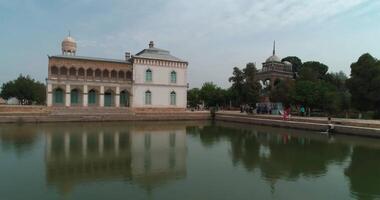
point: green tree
(193, 97)
(312, 70)
(212, 95)
(236, 90)
(338, 80)
(364, 83)
(296, 62)
(252, 86)
(25, 89)
(282, 92)
(315, 95)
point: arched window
(98, 73)
(72, 71)
(148, 98)
(105, 74)
(129, 75)
(63, 71)
(148, 75)
(90, 72)
(173, 98)
(173, 77)
(121, 75)
(113, 74)
(54, 70)
(92, 97)
(81, 72)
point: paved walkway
(341, 121)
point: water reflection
(364, 182)
(147, 155)
(281, 154)
(18, 138)
(152, 155)
(277, 154)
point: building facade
(151, 79)
(160, 79)
(273, 69)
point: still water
(183, 160)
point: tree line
(313, 86)
(27, 90)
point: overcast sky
(213, 35)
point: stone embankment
(36, 114)
(368, 128)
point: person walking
(302, 111)
(286, 113)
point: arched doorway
(58, 98)
(124, 98)
(74, 97)
(108, 98)
(92, 100)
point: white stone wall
(160, 86)
(161, 74)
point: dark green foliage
(282, 92)
(245, 89)
(25, 89)
(314, 95)
(212, 95)
(312, 71)
(237, 87)
(364, 84)
(193, 97)
(252, 87)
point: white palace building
(151, 79)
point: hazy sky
(213, 35)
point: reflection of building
(274, 70)
(152, 78)
(158, 155)
(145, 156)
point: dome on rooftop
(287, 63)
(273, 58)
(69, 46)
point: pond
(183, 160)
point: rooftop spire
(274, 47)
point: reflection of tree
(297, 158)
(20, 138)
(364, 173)
(288, 156)
(244, 145)
(245, 150)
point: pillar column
(117, 97)
(67, 95)
(85, 96)
(49, 100)
(101, 96)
